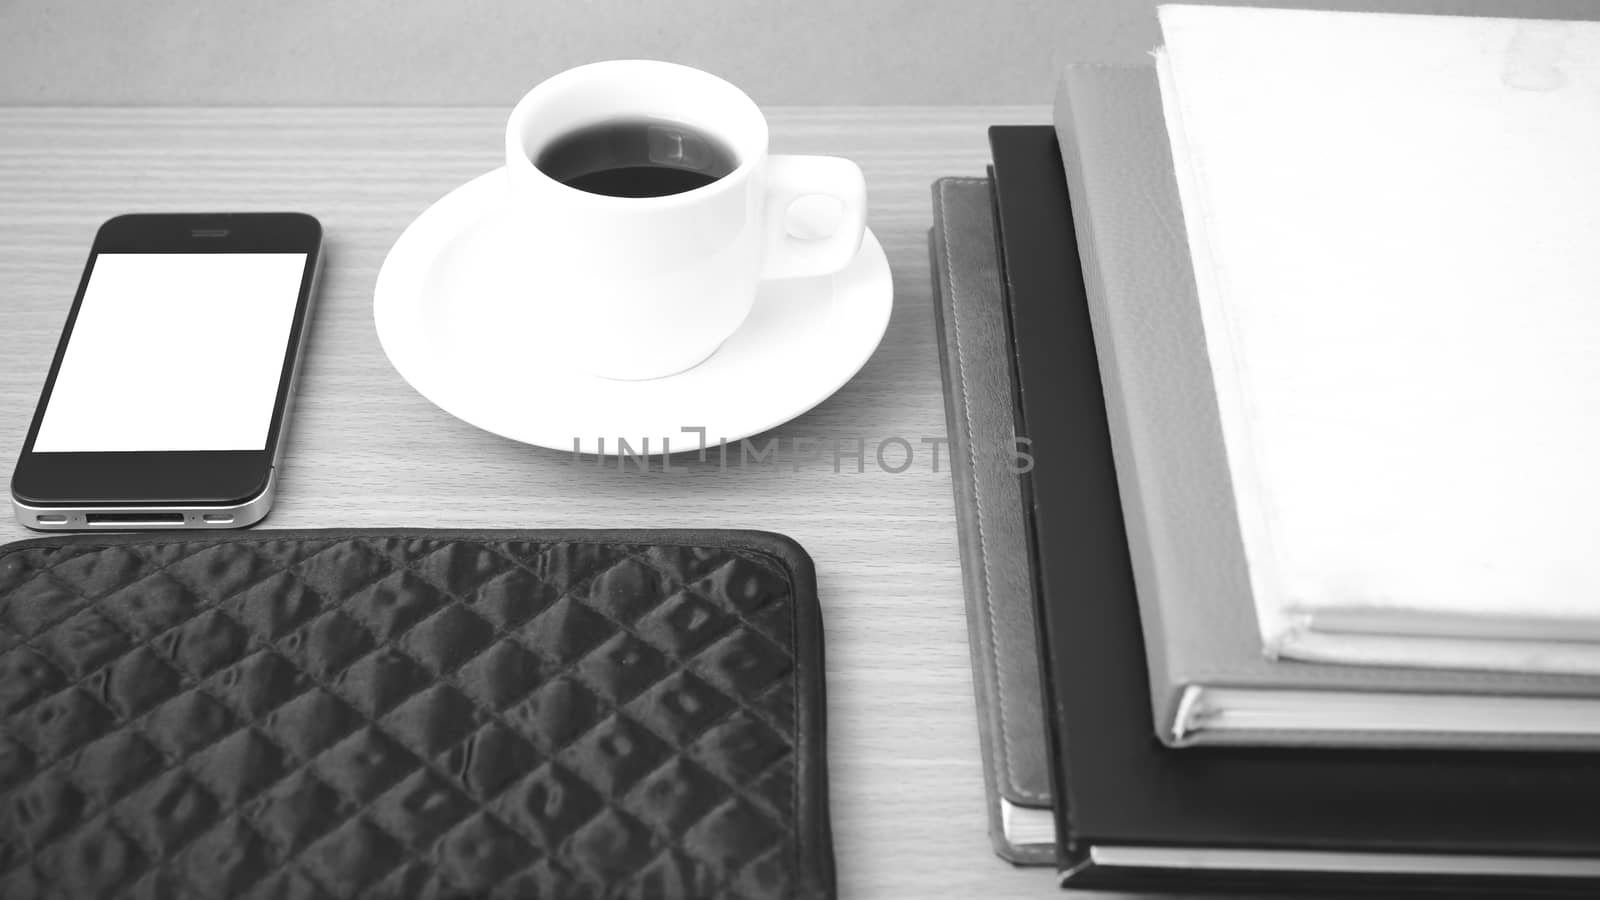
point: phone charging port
(128, 519)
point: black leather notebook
(1132, 813)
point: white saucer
(803, 340)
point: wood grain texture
(376, 52)
(365, 450)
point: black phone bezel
(174, 478)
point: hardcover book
(1210, 680)
(1393, 222)
(1134, 814)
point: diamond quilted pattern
(310, 723)
(733, 833)
(459, 567)
(273, 607)
(326, 715)
(364, 764)
(390, 607)
(84, 642)
(677, 794)
(743, 664)
(237, 767)
(225, 860)
(479, 852)
(447, 639)
(681, 707)
(605, 848)
(379, 682)
(328, 644)
(508, 600)
(622, 668)
(61, 723)
(188, 722)
(114, 765)
(25, 676)
(489, 760)
(672, 874)
(292, 884)
(169, 811)
(203, 644)
(500, 675)
(415, 879)
(682, 625)
(96, 574)
(421, 807)
(432, 720)
(149, 606)
(296, 811)
(134, 682)
(548, 805)
(567, 631)
(356, 854)
(625, 591)
(740, 748)
(341, 568)
(558, 711)
(37, 602)
(744, 584)
(16, 762)
(44, 808)
(213, 572)
(92, 862)
(614, 755)
(256, 684)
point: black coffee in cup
(637, 158)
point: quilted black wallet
(400, 713)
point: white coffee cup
(636, 288)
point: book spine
(1166, 687)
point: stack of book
(1300, 330)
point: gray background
(448, 52)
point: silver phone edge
(199, 518)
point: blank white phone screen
(174, 351)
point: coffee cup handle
(816, 215)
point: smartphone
(168, 399)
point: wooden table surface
(366, 450)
